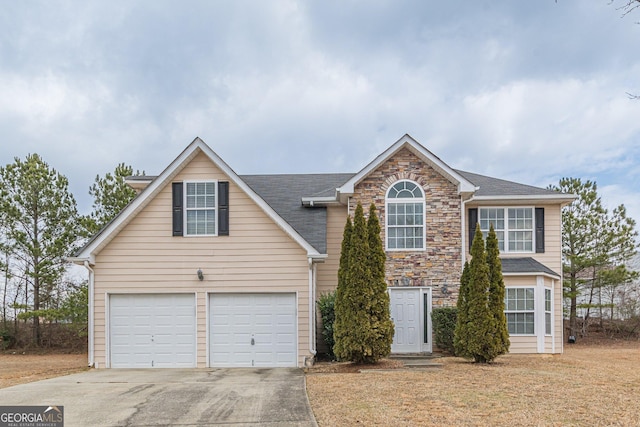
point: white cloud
(522, 91)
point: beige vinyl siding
(327, 272)
(523, 344)
(257, 256)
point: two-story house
(206, 268)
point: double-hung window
(200, 208)
(514, 227)
(520, 310)
(405, 223)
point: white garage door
(152, 330)
(252, 330)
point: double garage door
(159, 330)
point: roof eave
(551, 198)
(192, 150)
(533, 273)
(320, 201)
(80, 260)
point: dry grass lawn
(594, 385)
(25, 368)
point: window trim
(398, 201)
(532, 311)
(548, 312)
(506, 225)
(214, 209)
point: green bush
(326, 306)
(444, 325)
(6, 339)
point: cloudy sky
(526, 91)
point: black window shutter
(473, 221)
(177, 208)
(539, 230)
(223, 208)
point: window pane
(405, 190)
(528, 323)
(191, 188)
(529, 298)
(210, 226)
(191, 222)
(547, 300)
(547, 323)
(521, 218)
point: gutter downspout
(312, 312)
(463, 219)
(91, 362)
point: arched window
(405, 216)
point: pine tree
(110, 194)
(496, 294)
(593, 240)
(381, 324)
(340, 306)
(460, 339)
(41, 218)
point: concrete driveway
(184, 397)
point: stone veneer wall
(441, 263)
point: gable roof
(525, 266)
(196, 147)
(464, 185)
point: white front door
(411, 312)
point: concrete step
(419, 360)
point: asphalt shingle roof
(525, 265)
(284, 194)
(489, 186)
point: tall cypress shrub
(476, 333)
(341, 304)
(381, 328)
(497, 293)
(352, 329)
(460, 336)
(363, 329)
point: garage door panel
(152, 330)
(267, 319)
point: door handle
(253, 341)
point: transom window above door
(405, 217)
